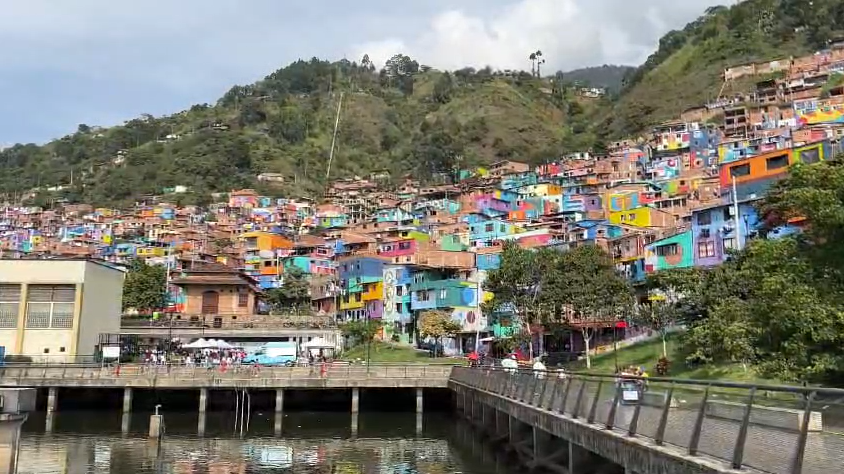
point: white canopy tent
(318, 343)
(209, 344)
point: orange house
(212, 289)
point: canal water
(82, 442)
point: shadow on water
(309, 442)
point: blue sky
(100, 62)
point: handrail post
(634, 422)
(663, 419)
(594, 409)
(738, 452)
(569, 381)
(701, 414)
(797, 463)
(579, 398)
(614, 408)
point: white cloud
(570, 33)
(101, 61)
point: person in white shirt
(539, 368)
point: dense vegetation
(406, 118)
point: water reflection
(311, 443)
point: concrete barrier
(774, 417)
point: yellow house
(643, 217)
(55, 310)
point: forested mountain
(406, 118)
(610, 77)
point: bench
(775, 417)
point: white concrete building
(55, 310)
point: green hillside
(686, 69)
(405, 118)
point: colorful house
(670, 252)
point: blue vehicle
(274, 353)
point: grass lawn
(383, 352)
(647, 353)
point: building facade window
(10, 297)
(50, 306)
(243, 299)
(706, 249)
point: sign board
(111, 352)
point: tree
(362, 331)
(443, 89)
(518, 282)
(144, 287)
(659, 314)
(586, 290)
(437, 324)
(293, 293)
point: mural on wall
(812, 112)
(666, 169)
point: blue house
(714, 231)
(484, 231)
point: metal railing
(49, 373)
(773, 429)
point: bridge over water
(578, 425)
(681, 427)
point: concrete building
(55, 310)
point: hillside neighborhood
(681, 196)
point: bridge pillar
(420, 401)
(279, 400)
(203, 401)
(52, 399)
(355, 399)
(127, 400)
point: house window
(728, 213)
(50, 306)
(489, 228)
(399, 290)
(704, 218)
(243, 299)
(443, 293)
(502, 228)
(357, 297)
(423, 295)
(729, 243)
(398, 307)
(667, 250)
(812, 155)
(706, 249)
(739, 171)
(776, 162)
(10, 296)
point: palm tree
(539, 61)
(532, 58)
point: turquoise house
(671, 252)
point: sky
(101, 62)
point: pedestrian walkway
(771, 439)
